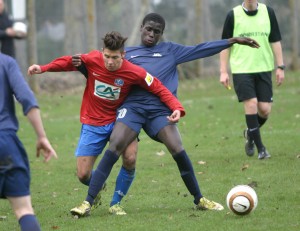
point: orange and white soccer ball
(242, 199)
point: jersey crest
(119, 82)
(149, 79)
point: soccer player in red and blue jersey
(110, 79)
(143, 110)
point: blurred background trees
(65, 27)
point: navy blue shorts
(14, 166)
(152, 120)
(253, 85)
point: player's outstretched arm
(244, 41)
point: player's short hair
(114, 41)
(155, 18)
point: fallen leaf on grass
(200, 173)
(160, 153)
(201, 162)
(245, 166)
(253, 184)
(2, 218)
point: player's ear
(123, 54)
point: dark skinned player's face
(151, 33)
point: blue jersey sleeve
(184, 54)
(20, 87)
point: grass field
(158, 199)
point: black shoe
(249, 145)
(263, 154)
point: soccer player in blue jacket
(143, 110)
(14, 164)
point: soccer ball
(242, 199)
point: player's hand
(76, 60)
(279, 76)
(43, 146)
(224, 79)
(10, 32)
(174, 117)
(245, 41)
(34, 69)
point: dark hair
(155, 18)
(114, 41)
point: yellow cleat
(82, 210)
(117, 209)
(205, 204)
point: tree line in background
(65, 27)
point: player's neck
(250, 6)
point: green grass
(158, 199)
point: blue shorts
(14, 166)
(93, 139)
(151, 118)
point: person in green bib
(252, 68)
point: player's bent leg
(122, 136)
(130, 154)
(84, 168)
(124, 178)
(171, 138)
(84, 173)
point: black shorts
(253, 85)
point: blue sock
(29, 223)
(123, 183)
(187, 174)
(101, 174)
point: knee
(83, 176)
(129, 159)
(116, 145)
(176, 149)
(129, 162)
(265, 112)
(264, 109)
